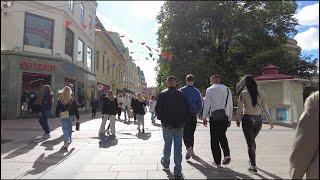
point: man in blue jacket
(194, 101)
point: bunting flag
(130, 41)
(143, 43)
(153, 59)
(68, 23)
(149, 48)
(122, 36)
(131, 52)
(147, 58)
(150, 54)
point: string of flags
(163, 55)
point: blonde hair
(140, 97)
(110, 95)
(65, 95)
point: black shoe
(178, 176)
(142, 130)
(253, 170)
(226, 160)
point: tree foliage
(231, 38)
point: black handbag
(219, 116)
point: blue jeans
(44, 121)
(67, 128)
(175, 135)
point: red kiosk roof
(271, 72)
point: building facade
(46, 42)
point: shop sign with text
(36, 66)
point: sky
(137, 21)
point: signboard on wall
(281, 114)
(24, 64)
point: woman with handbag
(45, 109)
(66, 108)
(140, 111)
(254, 102)
(109, 111)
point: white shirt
(152, 105)
(215, 99)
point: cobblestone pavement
(132, 155)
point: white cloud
(156, 27)
(308, 15)
(146, 9)
(309, 39)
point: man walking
(172, 109)
(194, 101)
(218, 106)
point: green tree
(231, 38)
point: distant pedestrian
(172, 109)
(140, 111)
(45, 110)
(194, 101)
(127, 104)
(121, 105)
(153, 102)
(304, 158)
(251, 103)
(94, 106)
(134, 106)
(218, 106)
(65, 110)
(109, 111)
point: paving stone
(133, 167)
(96, 175)
(132, 175)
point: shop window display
(81, 94)
(31, 91)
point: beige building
(46, 42)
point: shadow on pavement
(268, 173)
(42, 163)
(144, 136)
(207, 170)
(169, 175)
(156, 124)
(106, 142)
(24, 149)
(49, 144)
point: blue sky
(136, 20)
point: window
(81, 14)
(103, 64)
(80, 51)
(38, 31)
(90, 24)
(69, 42)
(89, 58)
(70, 5)
(108, 68)
(97, 60)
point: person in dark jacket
(172, 109)
(45, 110)
(109, 111)
(65, 110)
(194, 100)
(94, 106)
(140, 111)
(133, 106)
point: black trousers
(218, 138)
(119, 112)
(189, 129)
(94, 111)
(251, 126)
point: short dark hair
(190, 77)
(215, 76)
(171, 78)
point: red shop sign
(37, 66)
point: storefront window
(89, 58)
(31, 91)
(90, 24)
(70, 5)
(38, 31)
(69, 42)
(103, 64)
(80, 50)
(97, 60)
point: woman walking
(121, 104)
(45, 110)
(66, 109)
(140, 111)
(251, 103)
(109, 111)
(94, 106)
(153, 103)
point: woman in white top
(152, 104)
(251, 103)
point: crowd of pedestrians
(178, 111)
